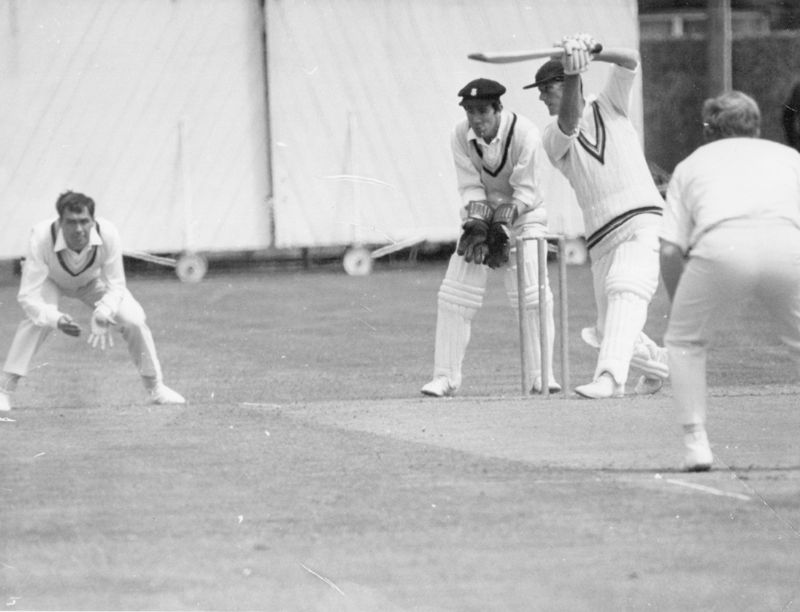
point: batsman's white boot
(5, 402)
(162, 394)
(698, 456)
(602, 387)
(647, 385)
(552, 385)
(439, 387)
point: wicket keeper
(498, 156)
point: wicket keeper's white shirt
(48, 258)
(604, 162)
(507, 168)
(728, 179)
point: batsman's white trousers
(130, 320)
(730, 264)
(625, 279)
(461, 296)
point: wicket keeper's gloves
(101, 328)
(472, 244)
(500, 235)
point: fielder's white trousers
(130, 320)
(729, 265)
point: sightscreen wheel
(191, 267)
(357, 261)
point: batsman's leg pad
(591, 336)
(634, 269)
(625, 317)
(649, 358)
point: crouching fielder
(78, 256)
(595, 146)
(497, 156)
(731, 231)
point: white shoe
(552, 385)
(698, 456)
(647, 385)
(162, 394)
(5, 402)
(439, 387)
(604, 386)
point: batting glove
(575, 58)
(100, 324)
(472, 243)
(587, 40)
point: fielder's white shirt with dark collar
(49, 258)
(509, 167)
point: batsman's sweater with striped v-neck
(603, 162)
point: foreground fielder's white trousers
(729, 265)
(130, 322)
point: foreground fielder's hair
(731, 114)
(74, 202)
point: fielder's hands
(500, 235)
(101, 328)
(472, 244)
(68, 326)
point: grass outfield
(307, 472)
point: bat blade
(509, 57)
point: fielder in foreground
(731, 231)
(594, 144)
(497, 156)
(80, 257)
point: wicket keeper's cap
(481, 90)
(550, 72)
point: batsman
(497, 156)
(595, 146)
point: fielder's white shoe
(647, 385)
(698, 456)
(603, 387)
(162, 394)
(552, 385)
(439, 387)
(5, 402)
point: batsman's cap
(550, 72)
(481, 90)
